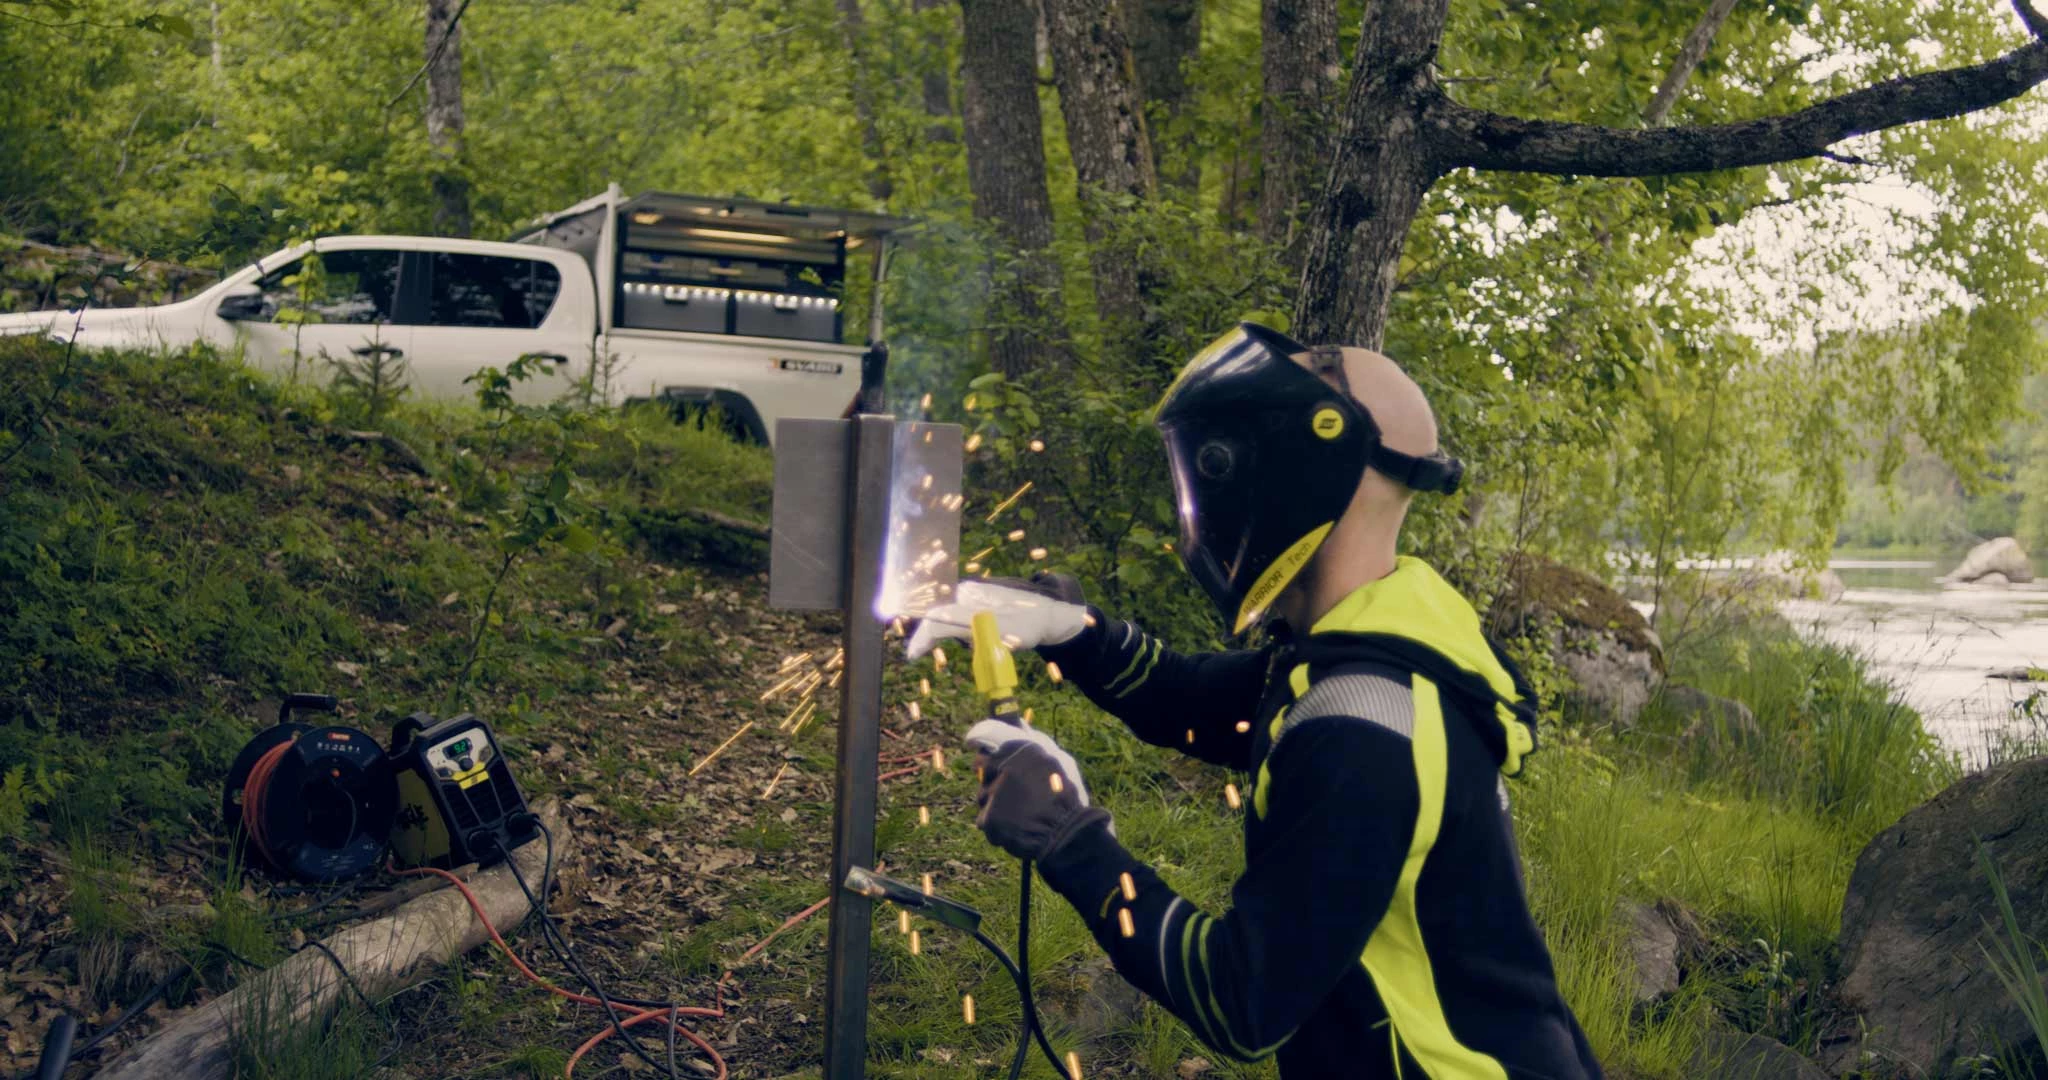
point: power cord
(558, 943)
(961, 917)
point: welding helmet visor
(1266, 456)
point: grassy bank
(182, 541)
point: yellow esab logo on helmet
(1327, 423)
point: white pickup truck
(702, 301)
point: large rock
(1101, 1005)
(1601, 640)
(1700, 715)
(1914, 922)
(2001, 556)
(1781, 574)
(1653, 946)
(1735, 1055)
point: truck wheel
(720, 409)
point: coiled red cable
(254, 791)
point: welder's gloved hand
(993, 736)
(1029, 807)
(1027, 613)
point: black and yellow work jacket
(1380, 928)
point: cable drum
(312, 803)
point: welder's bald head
(1397, 405)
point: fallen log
(401, 455)
(305, 989)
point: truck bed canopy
(722, 266)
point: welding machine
(457, 801)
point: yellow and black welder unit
(457, 801)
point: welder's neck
(1337, 571)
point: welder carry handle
(298, 703)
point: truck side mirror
(242, 302)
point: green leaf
(577, 539)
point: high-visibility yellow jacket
(1380, 928)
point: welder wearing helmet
(1380, 928)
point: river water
(1938, 644)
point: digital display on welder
(459, 748)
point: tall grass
(2013, 957)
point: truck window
(333, 287)
(492, 290)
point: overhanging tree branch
(1689, 56)
(2036, 22)
(1462, 136)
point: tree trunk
(1299, 68)
(1005, 138)
(301, 992)
(1091, 63)
(1382, 165)
(1165, 35)
(853, 32)
(937, 88)
(444, 117)
(1689, 56)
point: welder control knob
(465, 764)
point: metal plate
(808, 542)
(807, 531)
(923, 561)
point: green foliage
(2015, 957)
(184, 537)
(1831, 739)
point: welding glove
(1031, 801)
(992, 736)
(1044, 611)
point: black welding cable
(397, 1037)
(559, 942)
(1032, 1026)
(568, 956)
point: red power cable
(670, 1012)
(253, 792)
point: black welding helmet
(1266, 456)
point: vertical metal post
(871, 459)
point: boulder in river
(1781, 574)
(1601, 640)
(2001, 556)
(1920, 912)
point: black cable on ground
(397, 1037)
(549, 934)
(1031, 1023)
